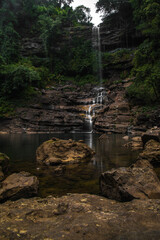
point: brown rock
(80, 216)
(124, 184)
(151, 152)
(19, 185)
(153, 133)
(57, 151)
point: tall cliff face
(34, 46)
(119, 38)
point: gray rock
(136, 182)
(19, 185)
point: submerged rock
(19, 185)
(151, 152)
(135, 143)
(124, 184)
(80, 216)
(57, 151)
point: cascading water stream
(98, 99)
(99, 56)
(96, 44)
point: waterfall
(97, 100)
(96, 44)
(94, 105)
(99, 56)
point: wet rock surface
(66, 108)
(151, 152)
(60, 109)
(80, 216)
(117, 117)
(57, 151)
(19, 185)
(124, 184)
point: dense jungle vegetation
(53, 21)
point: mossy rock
(57, 151)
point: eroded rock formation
(117, 117)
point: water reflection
(110, 153)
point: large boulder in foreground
(57, 151)
(151, 152)
(80, 216)
(136, 182)
(18, 185)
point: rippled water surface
(79, 178)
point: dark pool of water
(78, 178)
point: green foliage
(147, 61)
(140, 94)
(117, 15)
(82, 14)
(81, 62)
(81, 81)
(9, 43)
(147, 17)
(49, 20)
(120, 55)
(6, 108)
(119, 61)
(16, 78)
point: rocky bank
(70, 108)
(80, 216)
(66, 109)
